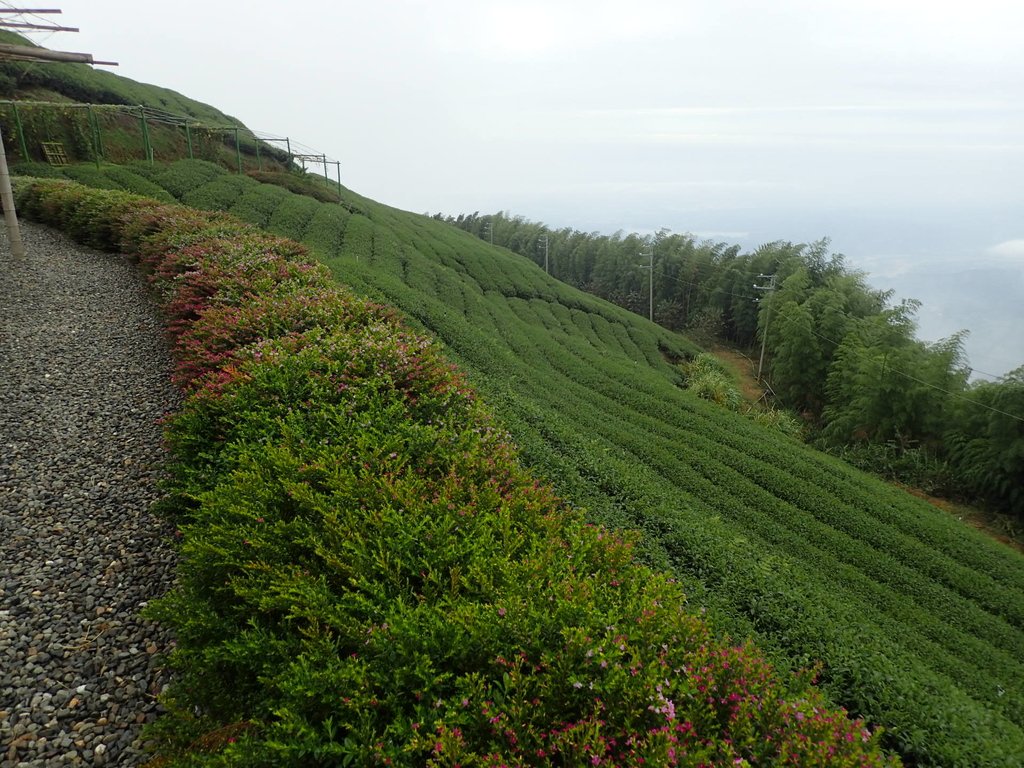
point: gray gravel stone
(84, 378)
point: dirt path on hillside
(745, 369)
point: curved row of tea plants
(370, 577)
(917, 618)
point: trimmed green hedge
(299, 184)
(368, 574)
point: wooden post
(7, 198)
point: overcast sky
(895, 127)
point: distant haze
(894, 128)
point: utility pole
(767, 318)
(650, 282)
(489, 231)
(544, 239)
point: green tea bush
(183, 176)
(93, 216)
(370, 577)
(91, 176)
(291, 219)
(131, 181)
(145, 169)
(218, 195)
(216, 335)
(299, 184)
(37, 170)
(325, 232)
(258, 203)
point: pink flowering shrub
(221, 330)
(370, 577)
(229, 273)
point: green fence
(117, 133)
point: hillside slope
(97, 116)
(82, 83)
(919, 621)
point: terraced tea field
(918, 620)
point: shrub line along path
(84, 378)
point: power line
(990, 375)
(716, 290)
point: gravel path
(84, 376)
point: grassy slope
(920, 620)
(120, 132)
(80, 82)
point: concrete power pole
(650, 282)
(767, 318)
(544, 239)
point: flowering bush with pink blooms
(370, 577)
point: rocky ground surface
(84, 378)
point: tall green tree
(986, 448)
(885, 385)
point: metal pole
(147, 147)
(326, 180)
(764, 340)
(288, 142)
(188, 140)
(96, 150)
(7, 198)
(238, 151)
(767, 318)
(259, 159)
(21, 135)
(337, 167)
(650, 308)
